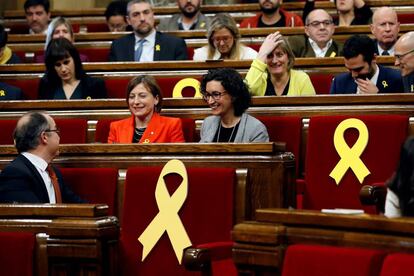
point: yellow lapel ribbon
(333, 54)
(167, 218)
(158, 47)
(2, 93)
(385, 84)
(350, 157)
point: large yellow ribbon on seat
(350, 157)
(187, 82)
(167, 218)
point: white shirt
(392, 205)
(318, 51)
(148, 47)
(245, 53)
(41, 166)
(374, 78)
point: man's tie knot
(385, 53)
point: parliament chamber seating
(400, 264)
(386, 134)
(207, 216)
(17, 253)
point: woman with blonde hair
(224, 41)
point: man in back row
(37, 15)
(145, 44)
(385, 28)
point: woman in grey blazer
(228, 97)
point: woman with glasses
(228, 97)
(59, 27)
(271, 72)
(145, 125)
(65, 77)
(224, 41)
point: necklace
(231, 135)
(140, 130)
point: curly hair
(233, 83)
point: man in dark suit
(385, 28)
(318, 42)
(145, 44)
(9, 92)
(365, 76)
(404, 58)
(30, 178)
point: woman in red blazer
(145, 125)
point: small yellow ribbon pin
(333, 54)
(384, 83)
(2, 93)
(350, 157)
(167, 218)
(158, 47)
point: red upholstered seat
(95, 185)
(398, 264)
(321, 82)
(318, 260)
(285, 129)
(103, 125)
(16, 253)
(7, 127)
(28, 86)
(386, 135)
(95, 54)
(405, 18)
(116, 87)
(207, 215)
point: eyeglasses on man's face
(57, 130)
(316, 24)
(400, 56)
(216, 95)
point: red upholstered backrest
(103, 125)
(285, 129)
(95, 54)
(381, 155)
(28, 86)
(95, 185)
(318, 260)
(207, 215)
(398, 264)
(97, 27)
(167, 85)
(405, 18)
(17, 252)
(72, 131)
(7, 127)
(116, 87)
(321, 82)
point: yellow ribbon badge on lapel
(158, 47)
(187, 82)
(350, 157)
(384, 83)
(167, 218)
(2, 93)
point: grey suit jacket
(301, 47)
(171, 23)
(250, 130)
(170, 48)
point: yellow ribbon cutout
(333, 54)
(158, 47)
(385, 84)
(350, 157)
(187, 82)
(2, 93)
(167, 218)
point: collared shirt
(148, 48)
(374, 78)
(41, 165)
(318, 51)
(390, 51)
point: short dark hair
(3, 36)
(115, 8)
(31, 3)
(151, 84)
(26, 135)
(234, 84)
(359, 45)
(58, 49)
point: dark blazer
(9, 92)
(91, 88)
(170, 48)
(301, 47)
(20, 182)
(389, 81)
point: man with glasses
(318, 42)
(385, 28)
(404, 58)
(30, 178)
(365, 75)
(145, 44)
(272, 16)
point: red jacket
(291, 20)
(160, 129)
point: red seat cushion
(398, 264)
(72, 131)
(318, 260)
(321, 82)
(28, 86)
(17, 252)
(7, 127)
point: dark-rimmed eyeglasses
(216, 95)
(325, 23)
(403, 55)
(57, 130)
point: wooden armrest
(373, 195)
(200, 258)
(54, 210)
